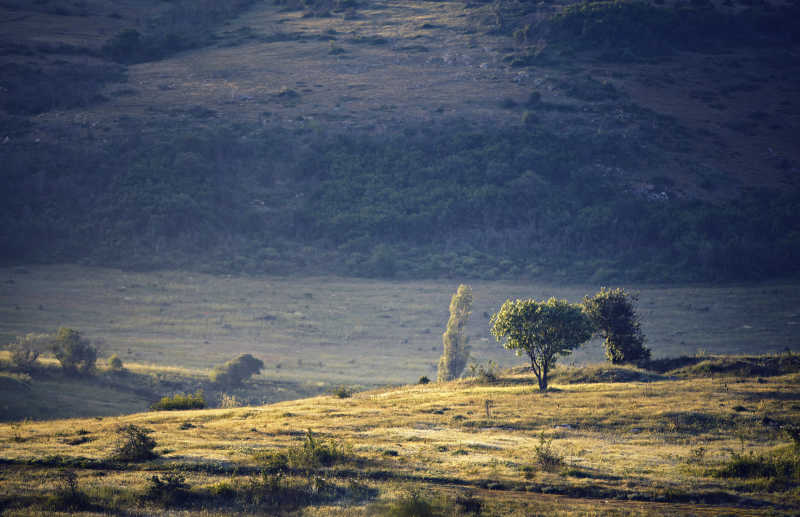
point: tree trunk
(543, 378)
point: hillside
(645, 446)
(396, 138)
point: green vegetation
(237, 370)
(613, 314)
(134, 443)
(115, 363)
(180, 401)
(542, 330)
(456, 350)
(75, 353)
(312, 453)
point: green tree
(543, 330)
(613, 315)
(75, 353)
(237, 370)
(115, 363)
(456, 351)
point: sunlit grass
(628, 438)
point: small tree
(134, 443)
(456, 351)
(614, 317)
(25, 350)
(237, 370)
(543, 330)
(76, 354)
(115, 363)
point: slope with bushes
(699, 445)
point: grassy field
(467, 448)
(346, 331)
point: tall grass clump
(313, 453)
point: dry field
(620, 449)
(351, 331)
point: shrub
(25, 350)
(343, 392)
(423, 380)
(169, 491)
(115, 363)
(311, 454)
(68, 495)
(237, 370)
(779, 469)
(76, 354)
(180, 401)
(547, 457)
(134, 443)
(487, 373)
(413, 504)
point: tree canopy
(543, 330)
(613, 314)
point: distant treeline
(425, 202)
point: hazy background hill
(602, 141)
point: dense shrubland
(446, 201)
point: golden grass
(631, 440)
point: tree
(456, 351)
(237, 370)
(115, 363)
(134, 443)
(543, 330)
(26, 349)
(613, 315)
(76, 354)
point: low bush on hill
(180, 401)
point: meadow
(355, 331)
(672, 445)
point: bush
(343, 392)
(311, 454)
(115, 363)
(777, 470)
(76, 354)
(25, 350)
(180, 401)
(413, 504)
(547, 457)
(169, 491)
(237, 370)
(68, 496)
(484, 373)
(134, 443)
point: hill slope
(488, 449)
(402, 138)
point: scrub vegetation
(601, 141)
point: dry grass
(619, 441)
(345, 331)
